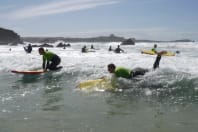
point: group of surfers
(116, 50)
(51, 61)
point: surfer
(110, 48)
(28, 49)
(154, 48)
(128, 73)
(92, 47)
(84, 49)
(118, 49)
(50, 60)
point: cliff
(9, 37)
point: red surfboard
(31, 72)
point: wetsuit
(129, 74)
(52, 61)
(122, 72)
(84, 50)
(118, 50)
(28, 49)
(154, 50)
(157, 61)
(138, 71)
(142, 71)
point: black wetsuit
(52, 60)
(28, 49)
(157, 61)
(141, 71)
(52, 65)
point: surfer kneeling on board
(50, 60)
(128, 73)
(154, 49)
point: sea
(164, 100)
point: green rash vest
(48, 56)
(123, 72)
(154, 50)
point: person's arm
(25, 49)
(122, 50)
(44, 63)
(47, 65)
(114, 81)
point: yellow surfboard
(153, 53)
(102, 84)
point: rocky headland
(9, 37)
(12, 38)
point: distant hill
(183, 40)
(9, 37)
(157, 41)
(111, 38)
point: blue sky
(141, 19)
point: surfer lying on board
(50, 60)
(128, 73)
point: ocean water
(165, 100)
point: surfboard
(31, 72)
(102, 84)
(91, 50)
(34, 71)
(153, 53)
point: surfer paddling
(128, 73)
(50, 60)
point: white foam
(73, 59)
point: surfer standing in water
(28, 49)
(130, 74)
(50, 60)
(119, 50)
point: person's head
(41, 51)
(177, 52)
(155, 45)
(111, 68)
(118, 46)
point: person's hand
(103, 77)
